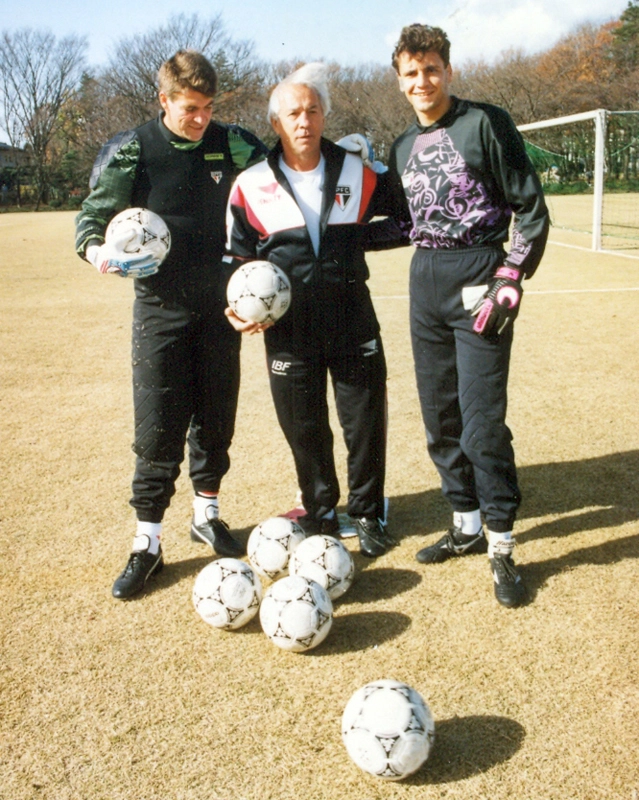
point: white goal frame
(599, 117)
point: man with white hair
(306, 209)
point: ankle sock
(147, 537)
(468, 522)
(500, 543)
(205, 507)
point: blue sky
(346, 31)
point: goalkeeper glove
(105, 259)
(499, 305)
(359, 145)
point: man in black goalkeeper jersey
(180, 165)
(463, 171)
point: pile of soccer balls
(387, 728)
(296, 611)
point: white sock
(205, 508)
(500, 543)
(468, 522)
(147, 537)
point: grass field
(105, 700)
(620, 222)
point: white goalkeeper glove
(105, 259)
(359, 145)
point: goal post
(599, 118)
(588, 164)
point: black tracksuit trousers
(186, 372)
(299, 389)
(462, 382)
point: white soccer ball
(138, 231)
(259, 292)
(388, 729)
(324, 559)
(296, 613)
(271, 544)
(227, 593)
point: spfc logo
(342, 196)
(217, 176)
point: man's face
(425, 81)
(300, 124)
(187, 113)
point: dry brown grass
(104, 700)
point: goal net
(588, 165)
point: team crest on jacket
(217, 176)
(342, 196)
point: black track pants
(299, 387)
(185, 382)
(462, 382)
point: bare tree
(132, 71)
(38, 73)
(367, 100)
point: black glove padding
(499, 305)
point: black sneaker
(215, 532)
(509, 589)
(140, 566)
(373, 537)
(453, 543)
(312, 526)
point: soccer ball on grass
(324, 559)
(227, 593)
(271, 544)
(388, 729)
(259, 292)
(296, 613)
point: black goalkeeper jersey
(186, 183)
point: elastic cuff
(200, 487)
(500, 526)
(512, 273)
(149, 516)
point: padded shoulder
(107, 152)
(246, 149)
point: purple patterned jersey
(466, 178)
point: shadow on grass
(379, 583)
(536, 574)
(609, 482)
(585, 495)
(361, 631)
(467, 746)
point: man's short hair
(417, 40)
(187, 69)
(311, 75)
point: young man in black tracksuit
(306, 210)
(464, 174)
(185, 355)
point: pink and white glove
(499, 305)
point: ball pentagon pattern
(388, 729)
(324, 559)
(138, 231)
(296, 613)
(227, 593)
(271, 544)
(259, 292)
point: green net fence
(564, 157)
